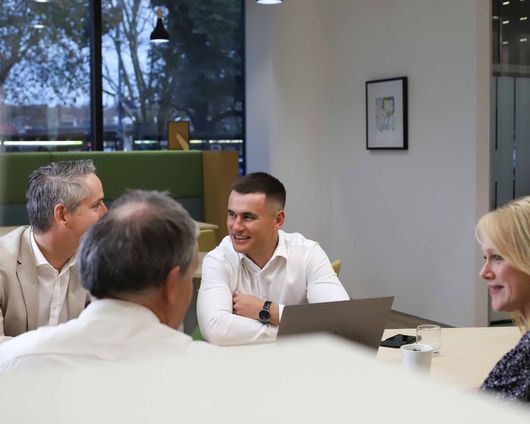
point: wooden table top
(467, 354)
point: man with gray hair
(38, 277)
(138, 263)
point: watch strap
(264, 315)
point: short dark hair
(57, 182)
(133, 247)
(261, 182)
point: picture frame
(178, 135)
(387, 114)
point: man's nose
(238, 223)
(104, 208)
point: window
(510, 150)
(198, 76)
(44, 75)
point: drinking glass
(430, 335)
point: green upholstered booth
(186, 175)
(14, 171)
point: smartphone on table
(398, 340)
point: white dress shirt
(107, 330)
(53, 286)
(298, 272)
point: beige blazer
(19, 288)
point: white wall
(402, 221)
(285, 121)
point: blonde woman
(504, 236)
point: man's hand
(248, 306)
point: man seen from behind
(138, 263)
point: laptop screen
(362, 321)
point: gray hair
(133, 247)
(58, 182)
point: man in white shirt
(258, 268)
(38, 278)
(138, 263)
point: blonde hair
(507, 230)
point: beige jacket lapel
(27, 278)
(76, 296)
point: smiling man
(38, 277)
(138, 263)
(258, 268)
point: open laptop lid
(362, 321)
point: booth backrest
(186, 175)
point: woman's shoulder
(522, 347)
(519, 356)
(510, 378)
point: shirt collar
(39, 257)
(281, 250)
(124, 309)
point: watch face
(264, 315)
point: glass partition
(198, 76)
(510, 100)
(44, 75)
(510, 147)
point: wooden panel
(220, 170)
(178, 135)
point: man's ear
(171, 285)
(59, 214)
(280, 219)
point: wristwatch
(265, 315)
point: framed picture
(178, 135)
(386, 114)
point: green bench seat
(179, 173)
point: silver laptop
(362, 321)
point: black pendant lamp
(159, 34)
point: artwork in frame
(387, 114)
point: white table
(311, 380)
(467, 354)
